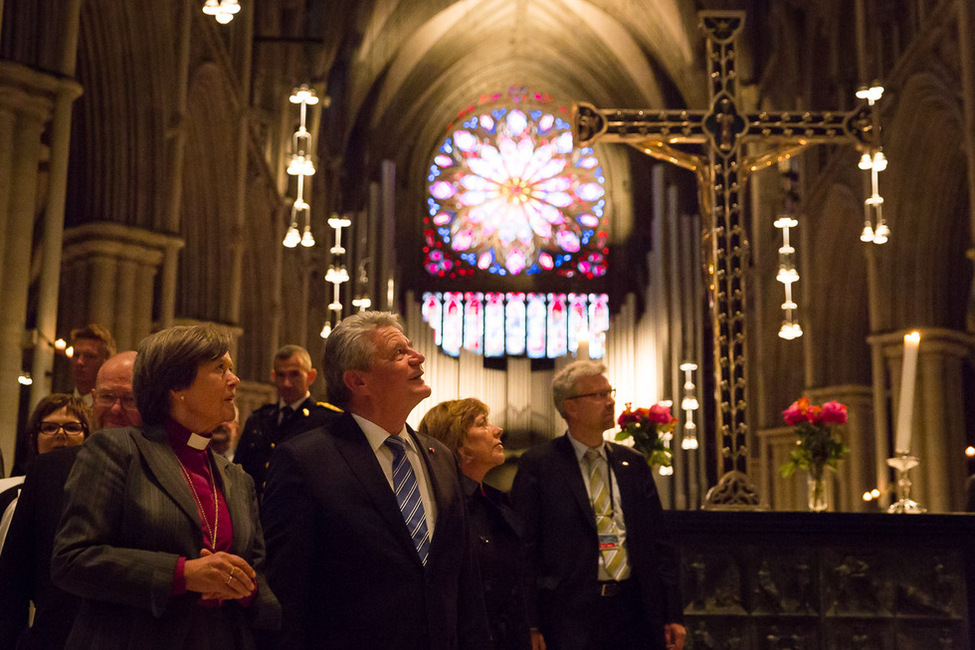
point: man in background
(605, 577)
(114, 403)
(294, 412)
(91, 346)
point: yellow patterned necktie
(614, 559)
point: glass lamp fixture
(223, 11)
(294, 237)
(362, 303)
(300, 165)
(24, 379)
(689, 404)
(875, 229)
(338, 223)
(787, 275)
(326, 330)
(336, 275)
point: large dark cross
(721, 169)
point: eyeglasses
(108, 400)
(601, 394)
(69, 428)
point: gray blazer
(128, 517)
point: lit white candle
(582, 352)
(905, 412)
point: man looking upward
(365, 520)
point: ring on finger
(232, 569)
(230, 578)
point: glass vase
(818, 486)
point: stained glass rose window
(509, 195)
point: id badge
(609, 542)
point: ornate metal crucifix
(721, 169)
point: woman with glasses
(160, 535)
(60, 420)
(464, 427)
(56, 429)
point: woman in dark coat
(160, 537)
(59, 425)
(495, 530)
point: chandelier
(301, 165)
(223, 11)
(875, 229)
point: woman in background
(59, 425)
(160, 536)
(463, 426)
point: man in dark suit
(293, 413)
(350, 569)
(604, 577)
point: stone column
(60, 138)
(938, 422)
(120, 264)
(27, 100)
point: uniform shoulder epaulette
(330, 407)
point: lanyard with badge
(609, 537)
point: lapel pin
(431, 450)
(625, 463)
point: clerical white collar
(198, 442)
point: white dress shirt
(618, 517)
(376, 436)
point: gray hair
(352, 347)
(565, 380)
(285, 352)
(169, 360)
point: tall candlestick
(905, 412)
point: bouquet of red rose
(649, 428)
(818, 444)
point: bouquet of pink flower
(818, 444)
(649, 428)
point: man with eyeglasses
(114, 402)
(605, 578)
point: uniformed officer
(293, 413)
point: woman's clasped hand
(220, 576)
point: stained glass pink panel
(535, 320)
(494, 325)
(514, 323)
(453, 323)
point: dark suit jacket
(262, 433)
(342, 562)
(497, 534)
(25, 564)
(129, 516)
(550, 495)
